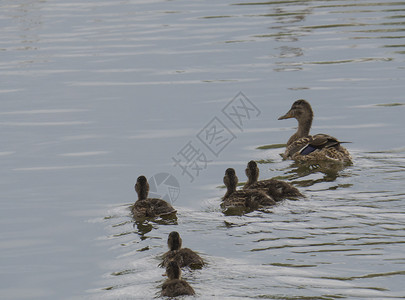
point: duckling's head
(300, 110)
(230, 172)
(173, 270)
(142, 180)
(252, 173)
(142, 187)
(230, 181)
(174, 241)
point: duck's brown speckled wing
(160, 207)
(338, 154)
(317, 147)
(296, 147)
(152, 207)
(248, 198)
(141, 209)
(190, 258)
(277, 189)
(184, 257)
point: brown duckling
(146, 207)
(252, 199)
(185, 257)
(174, 286)
(302, 146)
(277, 189)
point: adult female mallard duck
(305, 147)
(146, 207)
(185, 257)
(174, 286)
(252, 199)
(277, 189)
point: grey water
(95, 93)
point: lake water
(96, 93)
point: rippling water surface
(96, 93)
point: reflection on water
(301, 173)
(145, 226)
(95, 92)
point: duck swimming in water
(277, 189)
(146, 207)
(174, 286)
(305, 147)
(185, 257)
(252, 199)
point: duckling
(185, 257)
(174, 286)
(146, 207)
(252, 199)
(302, 146)
(277, 189)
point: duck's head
(300, 110)
(230, 172)
(141, 180)
(230, 181)
(173, 270)
(174, 241)
(142, 187)
(252, 172)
